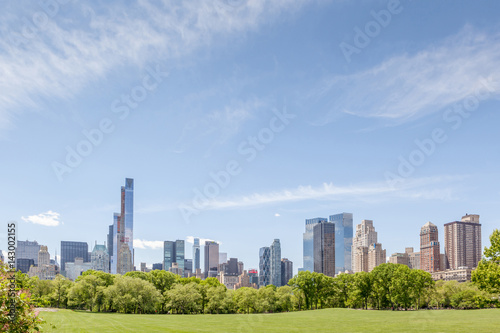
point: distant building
(253, 276)
(173, 253)
(144, 268)
(400, 258)
(168, 254)
(71, 250)
(275, 262)
(196, 254)
(157, 266)
(230, 267)
(413, 258)
(308, 251)
(343, 241)
(99, 258)
(462, 242)
(76, 268)
(24, 265)
(264, 266)
(211, 258)
(324, 248)
(44, 270)
(175, 269)
(376, 256)
(229, 280)
(188, 267)
(360, 259)
(122, 260)
(462, 274)
(429, 248)
(110, 246)
(241, 267)
(28, 250)
(222, 257)
(244, 281)
(367, 253)
(179, 254)
(286, 271)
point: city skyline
(239, 120)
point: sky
(239, 119)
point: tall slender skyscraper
(462, 241)
(429, 248)
(275, 255)
(324, 248)
(264, 266)
(308, 244)
(211, 258)
(286, 271)
(123, 231)
(110, 247)
(196, 254)
(343, 241)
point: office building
(211, 258)
(308, 243)
(175, 269)
(343, 241)
(244, 281)
(253, 276)
(110, 245)
(179, 254)
(44, 270)
(99, 258)
(400, 258)
(286, 271)
(122, 260)
(264, 266)
(462, 242)
(188, 267)
(429, 248)
(229, 280)
(144, 268)
(364, 237)
(28, 250)
(196, 254)
(24, 265)
(173, 253)
(168, 254)
(157, 266)
(376, 256)
(76, 268)
(413, 258)
(241, 267)
(222, 257)
(71, 250)
(460, 275)
(275, 262)
(324, 248)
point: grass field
(328, 320)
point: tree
(245, 299)
(219, 300)
(362, 287)
(304, 281)
(61, 286)
(400, 288)
(284, 299)
(487, 274)
(184, 298)
(342, 285)
(131, 295)
(266, 299)
(382, 278)
(138, 275)
(83, 293)
(421, 285)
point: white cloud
(145, 244)
(405, 87)
(69, 54)
(277, 215)
(50, 219)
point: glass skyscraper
(211, 258)
(128, 214)
(275, 254)
(122, 260)
(308, 252)
(324, 248)
(264, 266)
(168, 254)
(343, 241)
(72, 250)
(179, 254)
(196, 254)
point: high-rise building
(253, 276)
(122, 260)
(241, 267)
(286, 271)
(429, 248)
(222, 257)
(343, 241)
(23, 264)
(275, 263)
(462, 241)
(188, 267)
(44, 270)
(413, 258)
(211, 258)
(308, 243)
(71, 250)
(179, 254)
(28, 250)
(264, 266)
(76, 268)
(99, 258)
(110, 246)
(400, 258)
(157, 266)
(324, 248)
(168, 254)
(364, 237)
(196, 254)
(376, 256)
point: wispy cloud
(68, 54)
(50, 219)
(405, 86)
(145, 244)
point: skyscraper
(308, 253)
(264, 266)
(343, 241)
(376, 256)
(211, 258)
(286, 271)
(173, 253)
(196, 254)
(71, 250)
(275, 263)
(28, 250)
(100, 258)
(366, 252)
(462, 241)
(324, 248)
(429, 248)
(168, 254)
(179, 254)
(110, 247)
(123, 231)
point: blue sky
(385, 109)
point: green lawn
(328, 320)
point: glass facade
(27, 250)
(196, 254)
(275, 254)
(72, 250)
(343, 241)
(324, 248)
(24, 265)
(211, 258)
(179, 254)
(264, 266)
(114, 255)
(128, 214)
(168, 254)
(308, 246)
